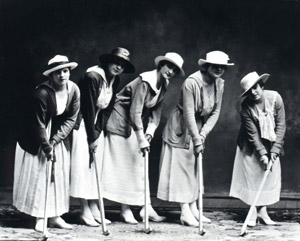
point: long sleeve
(252, 133)
(188, 91)
(214, 116)
(154, 118)
(70, 116)
(41, 109)
(89, 84)
(136, 111)
(280, 125)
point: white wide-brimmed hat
(172, 57)
(250, 80)
(119, 54)
(216, 57)
(59, 62)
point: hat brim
(203, 61)
(109, 58)
(158, 59)
(263, 78)
(71, 65)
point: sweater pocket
(175, 131)
(117, 124)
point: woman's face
(255, 93)
(115, 68)
(61, 76)
(168, 70)
(215, 70)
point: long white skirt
(123, 170)
(247, 175)
(30, 182)
(178, 174)
(83, 178)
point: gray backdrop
(258, 35)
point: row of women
(89, 122)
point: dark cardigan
(249, 135)
(32, 131)
(90, 86)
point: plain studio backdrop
(260, 36)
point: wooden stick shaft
(146, 191)
(256, 198)
(48, 181)
(200, 198)
(100, 198)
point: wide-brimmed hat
(216, 57)
(59, 62)
(118, 54)
(172, 57)
(250, 80)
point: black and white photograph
(150, 120)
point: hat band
(57, 64)
(122, 56)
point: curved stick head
(106, 233)
(243, 234)
(201, 232)
(148, 230)
(45, 237)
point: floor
(226, 225)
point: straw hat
(118, 54)
(216, 57)
(59, 62)
(250, 80)
(172, 57)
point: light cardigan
(192, 118)
(131, 102)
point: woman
(98, 87)
(260, 140)
(185, 133)
(123, 164)
(56, 106)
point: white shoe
(127, 217)
(196, 215)
(39, 225)
(58, 222)
(188, 220)
(106, 221)
(153, 216)
(88, 221)
(251, 223)
(265, 219)
(205, 219)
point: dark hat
(118, 54)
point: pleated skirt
(30, 182)
(178, 178)
(83, 177)
(123, 170)
(247, 175)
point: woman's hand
(265, 160)
(93, 146)
(198, 149)
(144, 150)
(50, 154)
(273, 156)
(148, 138)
